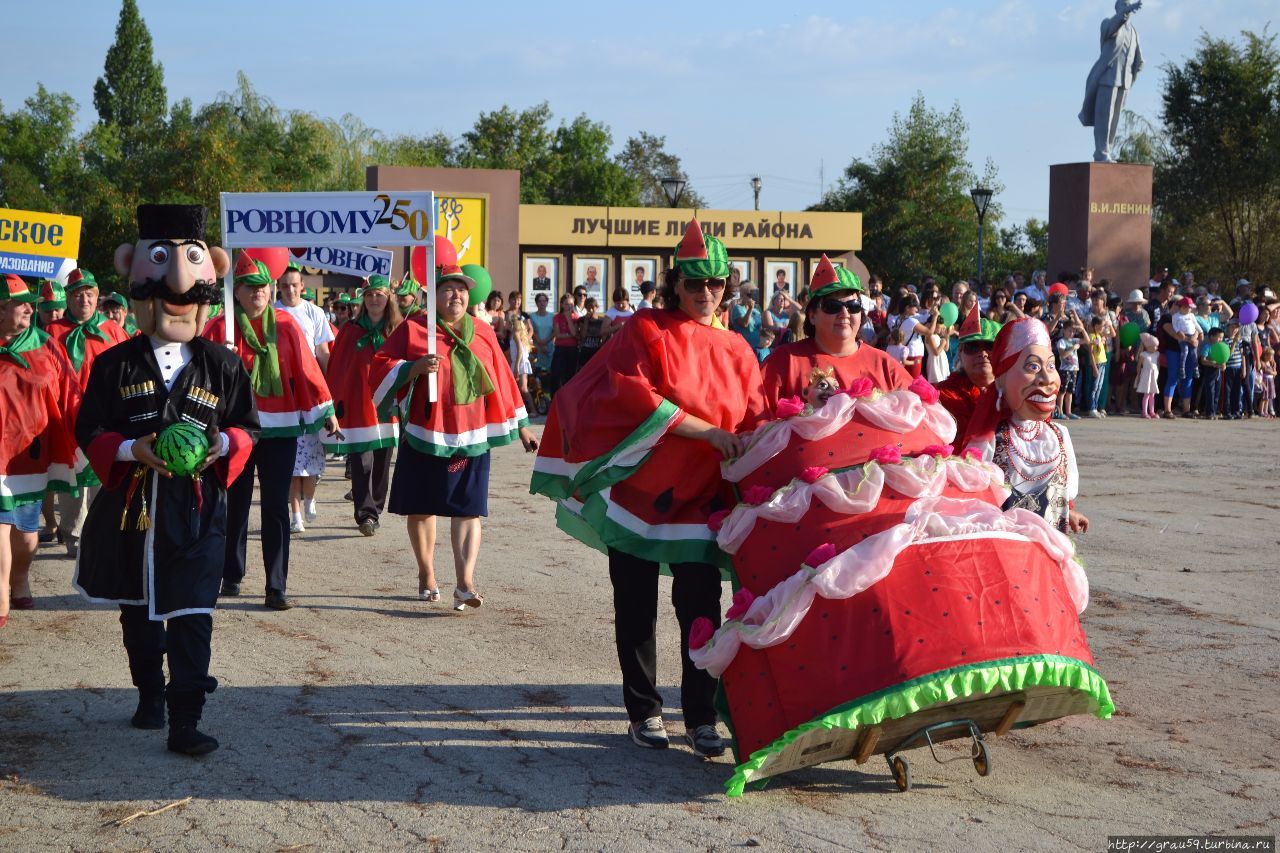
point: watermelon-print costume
(39, 398)
(608, 456)
(449, 430)
(350, 365)
(304, 401)
(878, 578)
(99, 334)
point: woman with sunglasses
(833, 319)
(632, 451)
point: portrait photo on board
(593, 274)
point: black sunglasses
(974, 347)
(697, 285)
(831, 305)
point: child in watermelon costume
(880, 583)
(631, 452)
(39, 396)
(369, 435)
(443, 466)
(960, 391)
(159, 539)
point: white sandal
(462, 599)
(429, 594)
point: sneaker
(309, 508)
(1092, 413)
(705, 741)
(368, 527)
(649, 733)
(296, 525)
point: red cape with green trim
(446, 428)
(608, 454)
(38, 406)
(349, 372)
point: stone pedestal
(1100, 217)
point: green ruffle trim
(595, 529)
(602, 472)
(964, 682)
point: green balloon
(1219, 353)
(182, 447)
(1129, 334)
(949, 313)
(484, 284)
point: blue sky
(783, 90)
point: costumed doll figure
(632, 452)
(168, 422)
(39, 396)
(1012, 427)
(821, 388)
(292, 399)
(443, 464)
(370, 435)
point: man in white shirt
(309, 459)
(311, 317)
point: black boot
(150, 713)
(184, 714)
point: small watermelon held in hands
(183, 448)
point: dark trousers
(272, 461)
(370, 475)
(1210, 389)
(695, 591)
(185, 640)
(564, 363)
(1235, 390)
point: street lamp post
(674, 188)
(756, 184)
(981, 199)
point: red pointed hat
(972, 324)
(245, 265)
(694, 245)
(824, 274)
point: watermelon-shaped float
(883, 598)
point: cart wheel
(982, 759)
(901, 773)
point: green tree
(646, 159)
(434, 150)
(38, 153)
(1017, 248)
(585, 173)
(506, 139)
(131, 92)
(1218, 193)
(913, 193)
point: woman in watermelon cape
(632, 451)
(833, 318)
(39, 397)
(959, 393)
(407, 296)
(52, 304)
(158, 407)
(84, 333)
(1012, 428)
(292, 399)
(443, 466)
(369, 436)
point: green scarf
(28, 339)
(266, 365)
(130, 327)
(75, 342)
(470, 380)
(372, 332)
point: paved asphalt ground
(364, 719)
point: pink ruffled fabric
(898, 411)
(774, 616)
(789, 407)
(858, 490)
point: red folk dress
(350, 367)
(608, 454)
(305, 402)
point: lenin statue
(1110, 78)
